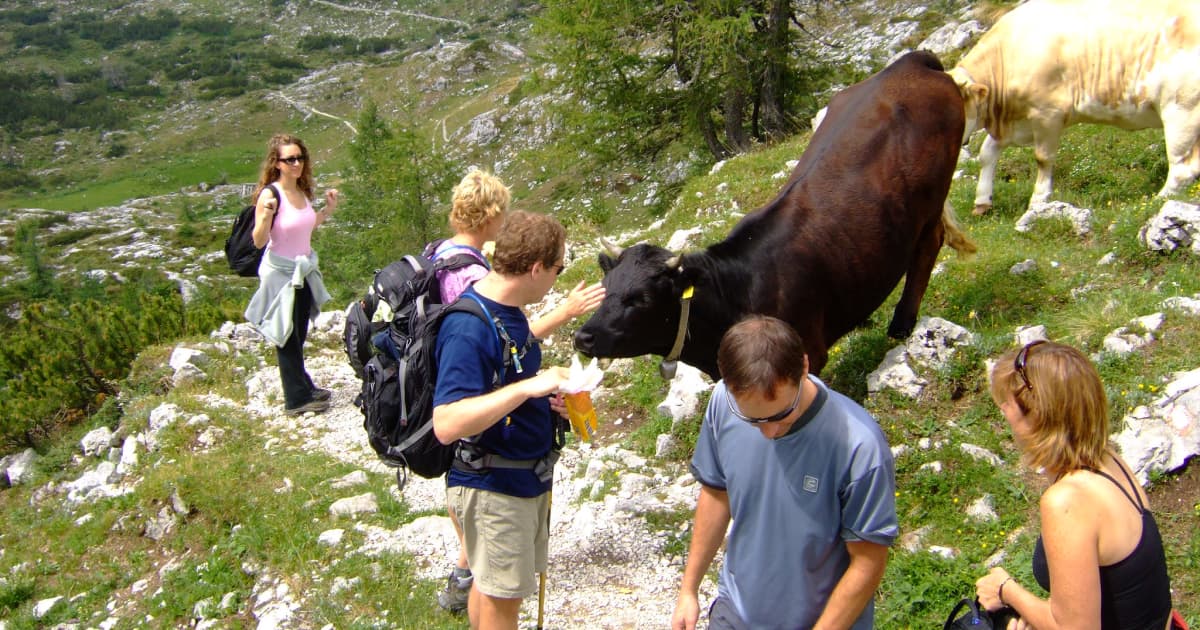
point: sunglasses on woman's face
(292, 160)
(1022, 358)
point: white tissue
(582, 379)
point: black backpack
(977, 617)
(395, 358)
(409, 287)
(397, 391)
(240, 252)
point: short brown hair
(1064, 404)
(526, 238)
(759, 353)
(478, 198)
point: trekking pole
(542, 576)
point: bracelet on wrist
(1000, 592)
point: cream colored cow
(1049, 64)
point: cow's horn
(673, 262)
(611, 248)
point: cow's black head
(640, 313)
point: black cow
(865, 206)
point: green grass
(134, 177)
(239, 526)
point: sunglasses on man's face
(773, 418)
(293, 160)
(1021, 359)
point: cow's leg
(916, 280)
(1182, 130)
(989, 157)
(1045, 150)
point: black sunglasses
(1022, 358)
(294, 160)
(775, 418)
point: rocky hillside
(202, 505)
(607, 563)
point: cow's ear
(961, 78)
(967, 86)
(977, 92)
(606, 262)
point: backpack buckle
(544, 469)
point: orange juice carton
(577, 393)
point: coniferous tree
(391, 201)
(647, 74)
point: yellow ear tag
(688, 292)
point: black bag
(409, 287)
(397, 392)
(977, 618)
(396, 361)
(357, 334)
(240, 252)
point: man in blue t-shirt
(808, 480)
(499, 486)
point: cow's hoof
(900, 332)
(981, 209)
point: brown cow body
(863, 208)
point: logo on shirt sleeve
(810, 483)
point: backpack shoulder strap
(278, 200)
(431, 247)
(455, 257)
(458, 261)
(469, 302)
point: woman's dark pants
(297, 385)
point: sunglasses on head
(774, 418)
(1021, 359)
(293, 160)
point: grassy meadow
(240, 529)
(239, 520)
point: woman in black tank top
(1053, 400)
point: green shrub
(64, 358)
(12, 178)
(27, 17)
(116, 150)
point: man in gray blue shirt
(808, 480)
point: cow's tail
(954, 235)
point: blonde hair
(478, 198)
(1064, 404)
(269, 172)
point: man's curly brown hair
(526, 238)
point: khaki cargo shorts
(507, 539)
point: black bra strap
(1137, 503)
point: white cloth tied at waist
(270, 309)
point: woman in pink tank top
(284, 223)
